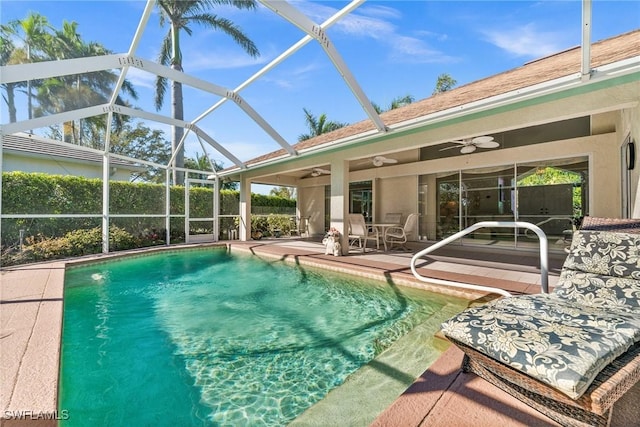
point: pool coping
(32, 310)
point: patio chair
(570, 354)
(398, 236)
(360, 233)
(393, 217)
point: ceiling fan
(469, 145)
(381, 161)
(316, 172)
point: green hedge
(37, 193)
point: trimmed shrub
(74, 243)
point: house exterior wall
(630, 125)
(614, 110)
(12, 162)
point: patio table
(382, 227)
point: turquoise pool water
(211, 338)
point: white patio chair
(360, 233)
(393, 217)
(398, 236)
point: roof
(562, 64)
(33, 145)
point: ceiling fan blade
(468, 149)
(390, 161)
(481, 139)
(449, 148)
(487, 144)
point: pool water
(206, 337)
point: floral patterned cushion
(567, 337)
(554, 340)
(604, 292)
(605, 253)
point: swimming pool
(202, 337)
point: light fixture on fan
(469, 145)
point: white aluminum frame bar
(284, 55)
(316, 31)
(586, 40)
(544, 256)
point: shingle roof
(552, 67)
(35, 145)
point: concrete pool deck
(31, 322)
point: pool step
(371, 389)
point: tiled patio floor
(31, 318)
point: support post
(167, 205)
(106, 174)
(245, 209)
(340, 201)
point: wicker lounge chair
(573, 353)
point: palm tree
(67, 93)
(7, 49)
(33, 31)
(444, 83)
(397, 102)
(318, 125)
(178, 15)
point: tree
(397, 102)
(67, 93)
(34, 32)
(142, 142)
(284, 192)
(201, 162)
(318, 125)
(178, 15)
(444, 83)
(6, 51)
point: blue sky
(393, 48)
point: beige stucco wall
(311, 204)
(398, 194)
(11, 163)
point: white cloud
(140, 78)
(412, 50)
(198, 60)
(525, 40)
(376, 22)
(294, 78)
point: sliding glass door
(552, 194)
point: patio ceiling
(374, 126)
